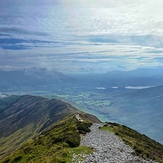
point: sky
(79, 36)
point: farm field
(90, 102)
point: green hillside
(60, 142)
(40, 130)
(55, 145)
(24, 117)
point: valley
(131, 98)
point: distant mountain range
(31, 77)
(136, 77)
(39, 76)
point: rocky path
(108, 148)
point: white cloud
(135, 30)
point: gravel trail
(108, 148)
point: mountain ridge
(31, 77)
(28, 116)
(48, 129)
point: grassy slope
(61, 141)
(57, 144)
(143, 145)
(8, 101)
(23, 117)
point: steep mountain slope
(55, 144)
(23, 117)
(36, 129)
(60, 144)
(139, 109)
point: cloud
(19, 44)
(13, 30)
(102, 58)
(5, 3)
(140, 40)
(102, 35)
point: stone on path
(108, 148)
